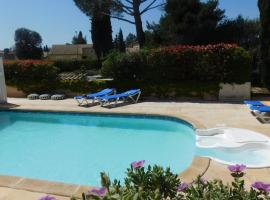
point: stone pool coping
(198, 167)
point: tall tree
(191, 21)
(119, 9)
(101, 29)
(121, 42)
(264, 7)
(28, 44)
(79, 39)
(244, 32)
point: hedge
(226, 63)
(73, 65)
(42, 76)
(170, 72)
(31, 75)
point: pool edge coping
(198, 166)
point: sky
(58, 20)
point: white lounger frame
(263, 116)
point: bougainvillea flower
(237, 168)
(138, 164)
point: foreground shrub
(31, 75)
(156, 183)
(212, 63)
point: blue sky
(57, 20)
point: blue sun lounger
(262, 112)
(122, 96)
(253, 103)
(93, 96)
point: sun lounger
(93, 96)
(262, 113)
(131, 94)
(253, 103)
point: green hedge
(31, 75)
(74, 65)
(212, 63)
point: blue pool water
(75, 148)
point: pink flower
(237, 168)
(261, 186)
(182, 187)
(47, 198)
(138, 164)
(101, 192)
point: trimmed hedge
(31, 75)
(213, 63)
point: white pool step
(228, 137)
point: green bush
(156, 183)
(212, 63)
(74, 65)
(82, 86)
(31, 75)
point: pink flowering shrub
(31, 75)
(174, 64)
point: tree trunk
(138, 23)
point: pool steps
(234, 140)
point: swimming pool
(75, 148)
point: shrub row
(31, 75)
(212, 63)
(42, 76)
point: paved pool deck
(200, 114)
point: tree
(131, 39)
(46, 48)
(101, 29)
(191, 21)
(244, 32)
(28, 44)
(79, 39)
(118, 8)
(264, 7)
(121, 42)
(115, 42)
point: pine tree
(101, 32)
(101, 29)
(121, 42)
(79, 39)
(115, 42)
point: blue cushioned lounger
(122, 96)
(93, 96)
(254, 103)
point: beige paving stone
(12, 194)
(9, 181)
(47, 187)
